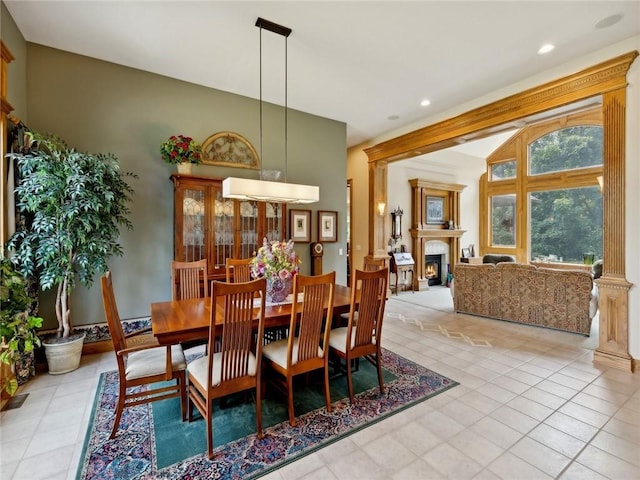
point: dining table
(177, 321)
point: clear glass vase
(278, 289)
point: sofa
(545, 297)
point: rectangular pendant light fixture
(263, 190)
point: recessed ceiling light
(426, 102)
(546, 48)
(609, 21)
(393, 117)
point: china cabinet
(206, 225)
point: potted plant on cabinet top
(74, 203)
(18, 328)
(181, 151)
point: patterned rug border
(249, 457)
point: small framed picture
(435, 210)
(466, 253)
(327, 226)
(300, 225)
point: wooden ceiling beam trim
(601, 78)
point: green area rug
(153, 442)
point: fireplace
(433, 269)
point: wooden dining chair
(372, 264)
(237, 365)
(362, 338)
(142, 364)
(238, 269)
(369, 265)
(189, 279)
(305, 349)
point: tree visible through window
(566, 149)
(565, 224)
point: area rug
(153, 442)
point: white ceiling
(358, 62)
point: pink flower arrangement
(181, 149)
(275, 260)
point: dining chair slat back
(373, 264)
(306, 347)
(189, 279)
(362, 335)
(236, 365)
(238, 269)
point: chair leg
(209, 419)
(259, 409)
(379, 365)
(119, 408)
(189, 404)
(182, 385)
(327, 393)
(349, 382)
(292, 417)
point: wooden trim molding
(608, 79)
(5, 109)
(487, 120)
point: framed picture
(327, 226)
(229, 149)
(466, 253)
(435, 210)
(300, 225)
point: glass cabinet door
(274, 223)
(224, 229)
(248, 228)
(193, 225)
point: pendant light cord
(261, 157)
(286, 129)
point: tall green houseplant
(74, 203)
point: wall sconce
(600, 181)
(381, 207)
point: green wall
(99, 106)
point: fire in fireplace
(433, 269)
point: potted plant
(74, 203)
(18, 328)
(182, 151)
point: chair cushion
(346, 316)
(198, 368)
(338, 338)
(277, 352)
(153, 361)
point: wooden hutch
(206, 225)
(444, 200)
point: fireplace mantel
(430, 233)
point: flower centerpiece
(180, 150)
(278, 263)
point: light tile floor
(531, 404)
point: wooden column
(6, 107)
(377, 223)
(613, 341)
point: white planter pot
(184, 168)
(63, 357)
